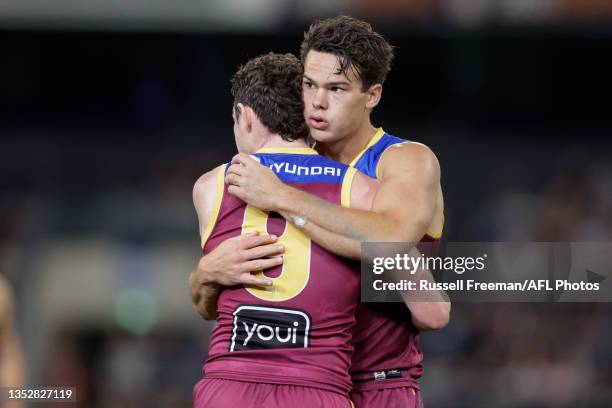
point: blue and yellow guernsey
(368, 159)
(387, 350)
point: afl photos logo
(260, 327)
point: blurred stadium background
(110, 110)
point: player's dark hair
(355, 44)
(271, 85)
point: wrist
(285, 200)
(206, 276)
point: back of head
(356, 45)
(271, 85)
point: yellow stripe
(379, 134)
(345, 195)
(434, 235)
(212, 220)
(438, 234)
(288, 150)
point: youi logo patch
(261, 327)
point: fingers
(243, 159)
(234, 190)
(258, 240)
(234, 174)
(236, 169)
(261, 264)
(232, 179)
(252, 280)
(263, 251)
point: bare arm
(432, 314)
(403, 207)
(232, 262)
(363, 190)
(204, 295)
(402, 210)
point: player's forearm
(357, 225)
(429, 315)
(335, 243)
(432, 309)
(204, 295)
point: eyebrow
(335, 83)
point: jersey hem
(372, 384)
(258, 378)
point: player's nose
(320, 99)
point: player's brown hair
(271, 85)
(355, 44)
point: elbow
(434, 320)
(354, 251)
(207, 315)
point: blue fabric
(304, 168)
(369, 160)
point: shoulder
(409, 156)
(363, 191)
(207, 183)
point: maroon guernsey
(299, 331)
(387, 345)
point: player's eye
(308, 84)
(337, 89)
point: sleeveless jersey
(297, 332)
(385, 340)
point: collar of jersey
(287, 150)
(379, 134)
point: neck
(277, 141)
(347, 148)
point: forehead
(323, 67)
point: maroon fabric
(403, 397)
(329, 300)
(213, 393)
(385, 339)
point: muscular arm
(403, 207)
(363, 190)
(204, 295)
(402, 210)
(232, 262)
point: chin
(322, 136)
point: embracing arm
(402, 210)
(362, 192)
(203, 292)
(232, 262)
(403, 207)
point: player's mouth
(317, 122)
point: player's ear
(373, 94)
(245, 120)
